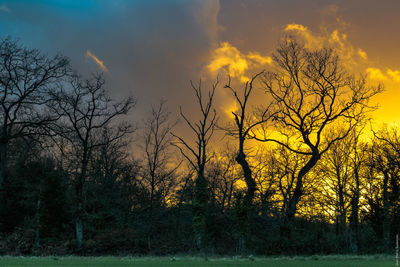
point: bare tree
(384, 154)
(244, 123)
(157, 139)
(336, 170)
(313, 93)
(339, 186)
(266, 171)
(222, 177)
(286, 165)
(84, 110)
(26, 77)
(104, 195)
(158, 175)
(197, 155)
(358, 161)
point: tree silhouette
(26, 78)
(157, 176)
(384, 159)
(198, 155)
(84, 110)
(244, 123)
(313, 93)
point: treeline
(303, 171)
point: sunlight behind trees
(285, 168)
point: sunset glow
(200, 128)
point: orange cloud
(311, 40)
(362, 54)
(338, 38)
(234, 62)
(349, 55)
(229, 108)
(98, 61)
(260, 59)
(394, 75)
(378, 75)
(296, 27)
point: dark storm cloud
(150, 48)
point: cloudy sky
(152, 49)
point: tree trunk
(294, 200)
(200, 204)
(37, 226)
(242, 244)
(151, 212)
(245, 212)
(386, 207)
(3, 159)
(284, 234)
(80, 204)
(354, 236)
(342, 212)
(298, 191)
(251, 184)
(79, 227)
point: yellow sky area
(96, 60)
(388, 111)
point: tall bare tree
(313, 93)
(197, 155)
(222, 177)
(266, 172)
(157, 141)
(26, 77)
(84, 110)
(385, 153)
(358, 161)
(336, 171)
(158, 175)
(243, 124)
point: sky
(151, 49)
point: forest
(304, 171)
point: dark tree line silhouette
(298, 175)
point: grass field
(325, 261)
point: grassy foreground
(326, 261)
